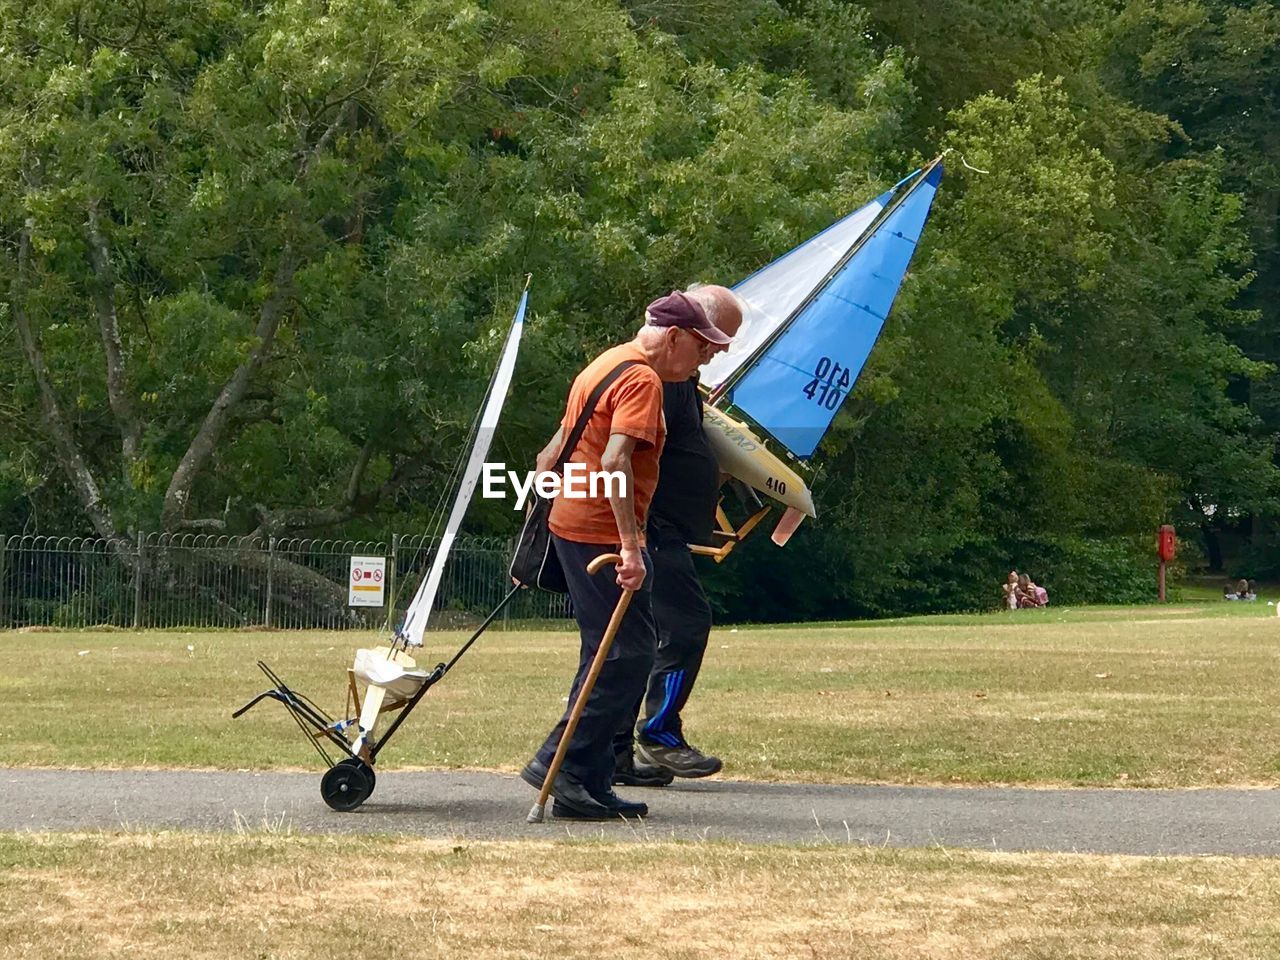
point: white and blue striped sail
(772, 293)
(793, 384)
(419, 612)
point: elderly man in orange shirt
(624, 435)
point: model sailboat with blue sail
(811, 318)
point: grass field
(174, 896)
(1183, 694)
(1175, 695)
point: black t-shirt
(684, 504)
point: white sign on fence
(366, 587)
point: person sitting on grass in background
(1029, 595)
(1244, 591)
(1229, 592)
(1010, 589)
(1024, 591)
(1040, 594)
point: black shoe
(562, 811)
(573, 801)
(623, 808)
(628, 773)
(534, 773)
(681, 761)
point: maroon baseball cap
(678, 309)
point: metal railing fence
(203, 580)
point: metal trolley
(350, 780)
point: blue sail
(773, 293)
(794, 389)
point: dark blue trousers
(622, 680)
(683, 616)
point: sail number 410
(830, 383)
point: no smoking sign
(366, 585)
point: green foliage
(1066, 367)
(964, 49)
(401, 166)
(1053, 383)
(1213, 66)
(1092, 571)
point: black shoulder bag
(535, 562)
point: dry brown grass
(177, 896)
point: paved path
(493, 806)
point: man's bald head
(722, 306)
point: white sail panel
(420, 610)
(773, 292)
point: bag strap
(588, 410)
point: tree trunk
(104, 301)
(210, 432)
(1212, 548)
(65, 448)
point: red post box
(1167, 549)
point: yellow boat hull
(742, 454)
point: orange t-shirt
(631, 405)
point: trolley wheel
(348, 784)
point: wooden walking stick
(602, 653)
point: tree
(1214, 67)
(1053, 381)
(242, 242)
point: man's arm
(548, 455)
(617, 459)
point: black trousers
(683, 616)
(626, 670)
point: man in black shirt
(682, 512)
